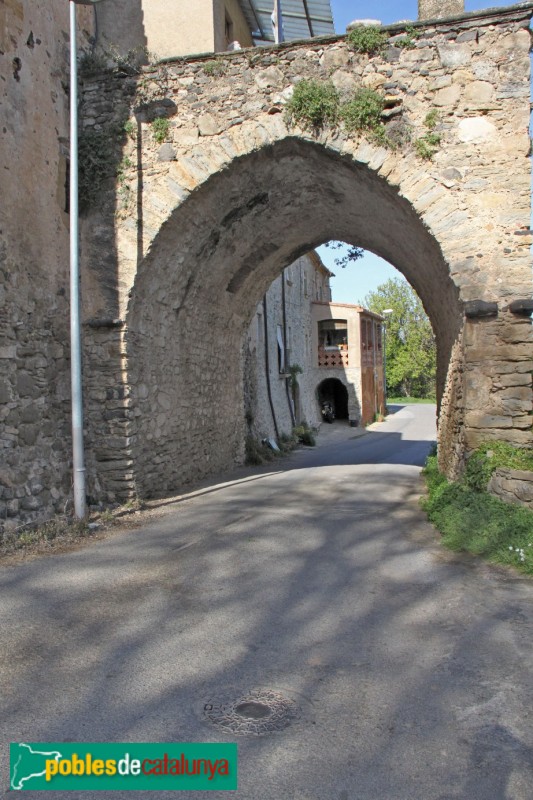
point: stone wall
(513, 486)
(205, 221)
(304, 282)
(438, 9)
(35, 439)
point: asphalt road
(405, 672)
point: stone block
(449, 96)
(476, 129)
(454, 55)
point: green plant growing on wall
(314, 104)
(160, 128)
(130, 129)
(408, 40)
(214, 68)
(432, 117)
(363, 111)
(426, 146)
(369, 39)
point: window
(333, 334)
(281, 349)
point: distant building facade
(302, 349)
(167, 29)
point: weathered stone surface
(166, 153)
(479, 95)
(454, 55)
(271, 77)
(448, 96)
(513, 486)
(476, 129)
(208, 125)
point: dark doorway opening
(333, 390)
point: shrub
(160, 128)
(363, 112)
(369, 39)
(304, 434)
(408, 40)
(313, 104)
(214, 68)
(427, 145)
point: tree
(410, 341)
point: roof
(319, 264)
(302, 19)
(357, 308)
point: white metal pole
(78, 458)
(278, 22)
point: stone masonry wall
(35, 441)
(304, 282)
(204, 221)
(439, 9)
(513, 486)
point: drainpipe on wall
(267, 368)
(285, 351)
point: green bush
(408, 40)
(214, 68)
(314, 104)
(304, 434)
(363, 112)
(426, 146)
(369, 39)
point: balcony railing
(333, 356)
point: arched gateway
(177, 260)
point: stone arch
(211, 262)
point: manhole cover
(253, 710)
(252, 713)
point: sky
(352, 283)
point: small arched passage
(210, 264)
(334, 391)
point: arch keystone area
(203, 222)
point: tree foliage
(410, 343)
(350, 253)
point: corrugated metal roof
(302, 19)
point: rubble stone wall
(205, 220)
(35, 443)
(513, 486)
(438, 9)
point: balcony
(335, 356)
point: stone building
(168, 29)
(302, 349)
